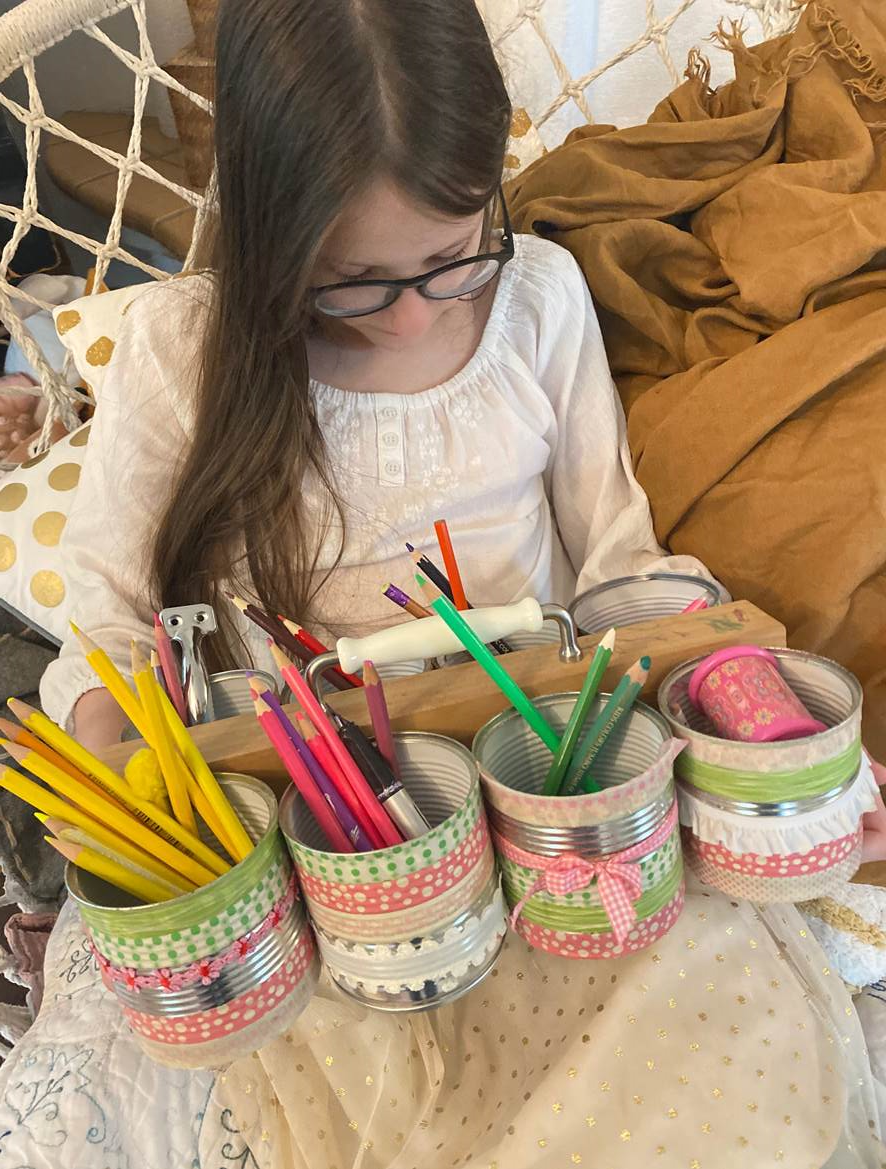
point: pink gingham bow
(619, 876)
(620, 884)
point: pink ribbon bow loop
(619, 883)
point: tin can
(212, 975)
(594, 875)
(647, 597)
(774, 821)
(417, 925)
(231, 694)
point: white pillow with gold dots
(35, 501)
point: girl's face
(384, 235)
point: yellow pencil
(110, 871)
(112, 680)
(162, 824)
(71, 835)
(121, 822)
(233, 829)
(102, 839)
(159, 738)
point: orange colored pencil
(459, 599)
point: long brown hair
(314, 99)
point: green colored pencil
(444, 608)
(593, 678)
(621, 701)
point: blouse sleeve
(600, 509)
(136, 439)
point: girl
(369, 354)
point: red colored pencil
(316, 647)
(459, 599)
(301, 690)
(301, 777)
(168, 665)
(381, 720)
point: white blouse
(523, 453)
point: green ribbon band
(771, 786)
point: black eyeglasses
(359, 298)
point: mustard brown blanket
(736, 248)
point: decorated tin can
(419, 924)
(632, 599)
(215, 974)
(586, 876)
(778, 821)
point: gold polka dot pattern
(80, 437)
(47, 588)
(7, 553)
(65, 477)
(66, 320)
(544, 1065)
(99, 352)
(48, 527)
(12, 496)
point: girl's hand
(98, 721)
(873, 847)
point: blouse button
(393, 468)
(390, 440)
(388, 412)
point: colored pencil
(26, 738)
(696, 605)
(404, 601)
(233, 830)
(433, 573)
(101, 838)
(96, 810)
(112, 680)
(169, 666)
(111, 871)
(325, 784)
(620, 702)
(163, 825)
(301, 777)
(322, 754)
(316, 647)
(272, 626)
(381, 720)
(451, 565)
(71, 835)
(481, 654)
(593, 678)
(161, 740)
(385, 832)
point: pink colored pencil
(381, 720)
(301, 777)
(696, 605)
(168, 665)
(301, 690)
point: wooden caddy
(457, 701)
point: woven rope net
(548, 53)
